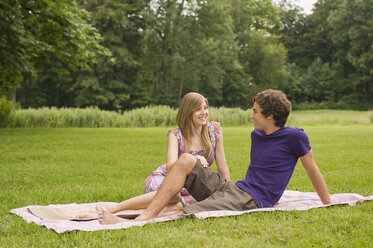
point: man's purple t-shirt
(273, 159)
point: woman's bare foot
(92, 213)
(106, 218)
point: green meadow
(42, 166)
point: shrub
(67, 117)
(6, 112)
(230, 116)
(150, 116)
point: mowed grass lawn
(60, 166)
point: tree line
(124, 54)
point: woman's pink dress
(155, 179)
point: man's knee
(187, 162)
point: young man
(275, 151)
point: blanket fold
(60, 218)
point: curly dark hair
(274, 102)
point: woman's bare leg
(106, 218)
(135, 203)
(87, 214)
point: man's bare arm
(316, 177)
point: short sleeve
(176, 132)
(179, 136)
(301, 143)
(217, 130)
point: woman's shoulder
(176, 131)
(215, 125)
(216, 128)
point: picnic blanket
(290, 201)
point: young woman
(194, 135)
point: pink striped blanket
(290, 201)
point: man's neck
(271, 129)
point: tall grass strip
(164, 116)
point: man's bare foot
(146, 215)
(172, 207)
(142, 217)
(106, 218)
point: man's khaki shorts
(214, 193)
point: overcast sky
(307, 5)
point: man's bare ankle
(142, 217)
(146, 215)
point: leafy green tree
(30, 31)
(317, 81)
(162, 49)
(111, 83)
(188, 46)
(320, 44)
(217, 51)
(261, 55)
(114, 85)
(332, 57)
(165, 26)
(351, 27)
(52, 87)
(266, 60)
(292, 30)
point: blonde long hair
(184, 120)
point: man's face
(260, 121)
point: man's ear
(269, 117)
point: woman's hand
(202, 160)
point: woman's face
(199, 117)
